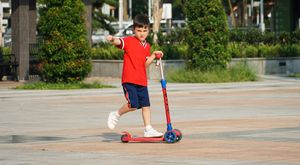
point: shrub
(207, 35)
(284, 38)
(5, 50)
(235, 50)
(296, 36)
(64, 49)
(253, 36)
(237, 73)
(250, 51)
(269, 38)
(106, 51)
(291, 50)
(268, 51)
(242, 50)
(236, 35)
(171, 52)
(177, 36)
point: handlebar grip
(158, 55)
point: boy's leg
(132, 98)
(146, 112)
(113, 117)
(149, 131)
(124, 109)
(146, 116)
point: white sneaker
(113, 119)
(152, 133)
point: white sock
(117, 114)
(148, 127)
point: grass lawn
(63, 86)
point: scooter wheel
(125, 138)
(178, 134)
(170, 136)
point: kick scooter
(171, 135)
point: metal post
(262, 24)
(150, 9)
(120, 15)
(251, 9)
(130, 9)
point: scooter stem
(161, 70)
(164, 90)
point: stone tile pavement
(228, 123)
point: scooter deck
(145, 139)
(126, 137)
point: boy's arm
(152, 57)
(114, 40)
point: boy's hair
(141, 21)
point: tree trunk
(88, 19)
(125, 11)
(231, 14)
(245, 14)
(157, 14)
(20, 36)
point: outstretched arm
(114, 40)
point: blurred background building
(5, 12)
(277, 15)
(273, 15)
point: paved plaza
(222, 124)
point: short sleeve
(124, 42)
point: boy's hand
(113, 40)
(110, 38)
(158, 54)
(154, 55)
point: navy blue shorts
(136, 95)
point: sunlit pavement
(227, 123)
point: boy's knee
(134, 105)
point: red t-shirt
(135, 54)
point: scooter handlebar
(158, 55)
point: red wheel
(178, 134)
(125, 138)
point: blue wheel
(170, 137)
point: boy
(134, 79)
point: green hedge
(180, 51)
(244, 50)
(247, 43)
(106, 51)
(172, 52)
(255, 36)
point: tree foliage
(64, 48)
(101, 20)
(207, 34)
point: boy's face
(141, 32)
